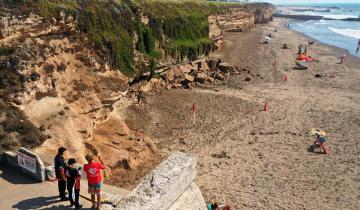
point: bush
(49, 68)
(61, 67)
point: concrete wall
(190, 199)
(169, 186)
(10, 159)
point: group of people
(303, 54)
(68, 175)
(216, 206)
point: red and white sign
(27, 162)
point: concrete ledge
(190, 199)
(11, 159)
(163, 186)
(39, 174)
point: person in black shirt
(73, 183)
(59, 172)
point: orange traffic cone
(285, 77)
(266, 107)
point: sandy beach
(253, 159)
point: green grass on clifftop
(180, 27)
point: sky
(310, 1)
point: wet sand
(253, 159)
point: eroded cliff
(65, 68)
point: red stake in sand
(194, 110)
(285, 77)
(266, 107)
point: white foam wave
(321, 22)
(340, 17)
(347, 32)
(309, 21)
(331, 16)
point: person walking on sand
(59, 172)
(93, 173)
(358, 47)
(342, 59)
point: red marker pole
(194, 109)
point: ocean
(337, 32)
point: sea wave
(321, 22)
(331, 16)
(309, 21)
(340, 17)
(347, 32)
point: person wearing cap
(60, 165)
(73, 175)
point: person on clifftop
(73, 175)
(60, 173)
(93, 173)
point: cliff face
(71, 58)
(56, 90)
(243, 17)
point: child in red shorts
(93, 173)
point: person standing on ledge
(94, 178)
(60, 173)
(73, 175)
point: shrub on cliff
(179, 27)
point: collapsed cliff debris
(196, 73)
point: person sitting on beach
(301, 57)
(310, 43)
(267, 40)
(216, 206)
(285, 46)
(320, 142)
(300, 49)
(299, 66)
